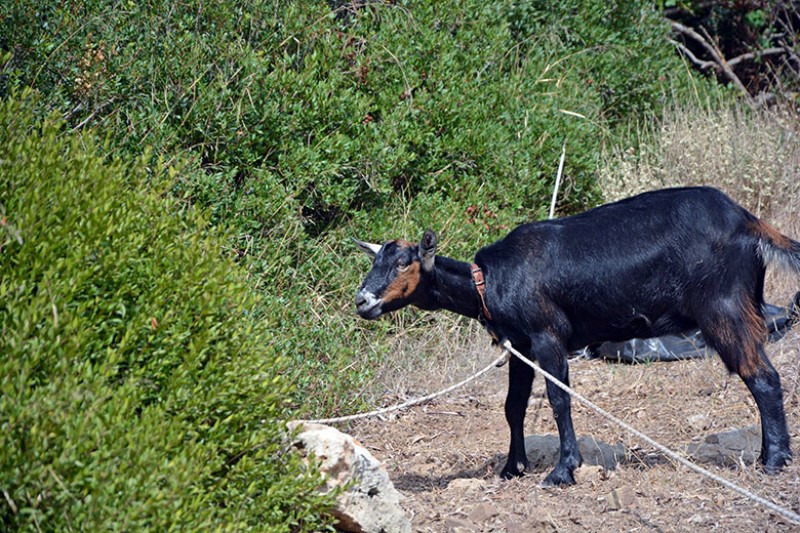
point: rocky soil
(444, 456)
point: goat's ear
(367, 247)
(427, 250)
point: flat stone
(728, 448)
(543, 451)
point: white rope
(411, 402)
(786, 513)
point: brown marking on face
(402, 243)
(404, 284)
(769, 233)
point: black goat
(654, 264)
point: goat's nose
(367, 306)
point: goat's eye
(402, 268)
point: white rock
(699, 422)
(371, 504)
(466, 485)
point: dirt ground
(443, 456)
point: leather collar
(480, 286)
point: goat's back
(639, 267)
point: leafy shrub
(140, 388)
(295, 124)
(326, 116)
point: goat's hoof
(771, 470)
(775, 462)
(559, 478)
(510, 472)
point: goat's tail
(776, 248)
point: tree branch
(758, 53)
(700, 63)
(717, 56)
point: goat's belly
(618, 329)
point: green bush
(324, 117)
(297, 124)
(140, 383)
(243, 143)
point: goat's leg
(765, 386)
(554, 361)
(520, 380)
(737, 338)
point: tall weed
(753, 155)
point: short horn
(367, 247)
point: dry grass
(754, 156)
(438, 349)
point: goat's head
(400, 275)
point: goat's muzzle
(367, 306)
